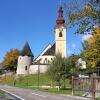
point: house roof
(26, 51)
(50, 51)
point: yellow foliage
(92, 40)
(10, 59)
(92, 53)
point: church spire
(26, 51)
(60, 20)
(60, 2)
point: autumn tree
(10, 60)
(84, 14)
(92, 52)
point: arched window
(45, 60)
(48, 62)
(25, 67)
(60, 34)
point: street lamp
(27, 70)
(38, 72)
(38, 75)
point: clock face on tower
(61, 29)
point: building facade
(26, 64)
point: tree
(58, 69)
(10, 60)
(71, 62)
(92, 52)
(85, 14)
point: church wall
(35, 68)
(24, 63)
(40, 56)
(61, 48)
(46, 59)
(61, 41)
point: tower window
(60, 34)
(25, 67)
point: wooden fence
(87, 87)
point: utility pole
(38, 76)
(38, 72)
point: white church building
(26, 62)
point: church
(26, 62)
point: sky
(32, 21)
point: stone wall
(35, 68)
(23, 62)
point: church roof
(50, 51)
(26, 51)
(60, 20)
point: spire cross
(60, 2)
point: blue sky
(32, 21)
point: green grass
(55, 91)
(1, 92)
(31, 82)
(98, 98)
(6, 80)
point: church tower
(24, 60)
(60, 34)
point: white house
(81, 63)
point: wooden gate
(87, 87)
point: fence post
(72, 85)
(93, 86)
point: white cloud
(86, 37)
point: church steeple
(60, 20)
(26, 51)
(60, 33)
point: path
(27, 94)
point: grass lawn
(31, 82)
(1, 92)
(55, 90)
(98, 98)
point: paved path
(27, 94)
